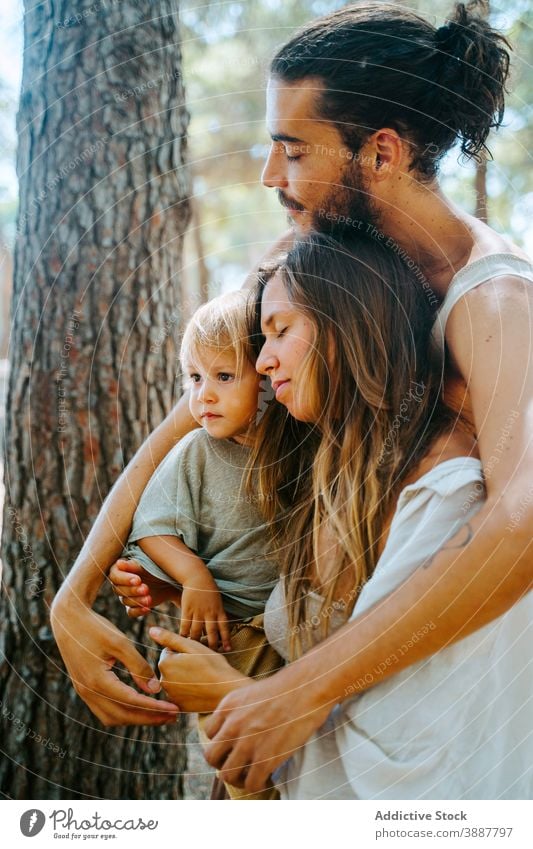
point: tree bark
(480, 181)
(201, 265)
(103, 208)
(481, 190)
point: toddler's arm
(201, 602)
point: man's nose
(274, 174)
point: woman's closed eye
(282, 332)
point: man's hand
(256, 728)
(193, 676)
(202, 611)
(90, 646)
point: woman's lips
(278, 386)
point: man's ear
(385, 151)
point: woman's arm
(475, 578)
(89, 644)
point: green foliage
(227, 47)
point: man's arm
(89, 644)
(263, 724)
(476, 577)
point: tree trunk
(202, 269)
(480, 181)
(103, 208)
(481, 190)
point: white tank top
(472, 275)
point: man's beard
(348, 207)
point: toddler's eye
(225, 377)
(195, 378)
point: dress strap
(472, 275)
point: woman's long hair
(376, 386)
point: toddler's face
(221, 400)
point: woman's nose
(266, 361)
(274, 176)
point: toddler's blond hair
(220, 324)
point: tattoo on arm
(466, 534)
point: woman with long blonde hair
(372, 471)
(363, 408)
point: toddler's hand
(138, 590)
(202, 610)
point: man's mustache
(288, 203)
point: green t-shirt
(197, 494)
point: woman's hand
(138, 590)
(90, 646)
(193, 676)
(254, 730)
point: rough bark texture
(480, 181)
(103, 186)
(481, 190)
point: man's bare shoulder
(487, 242)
